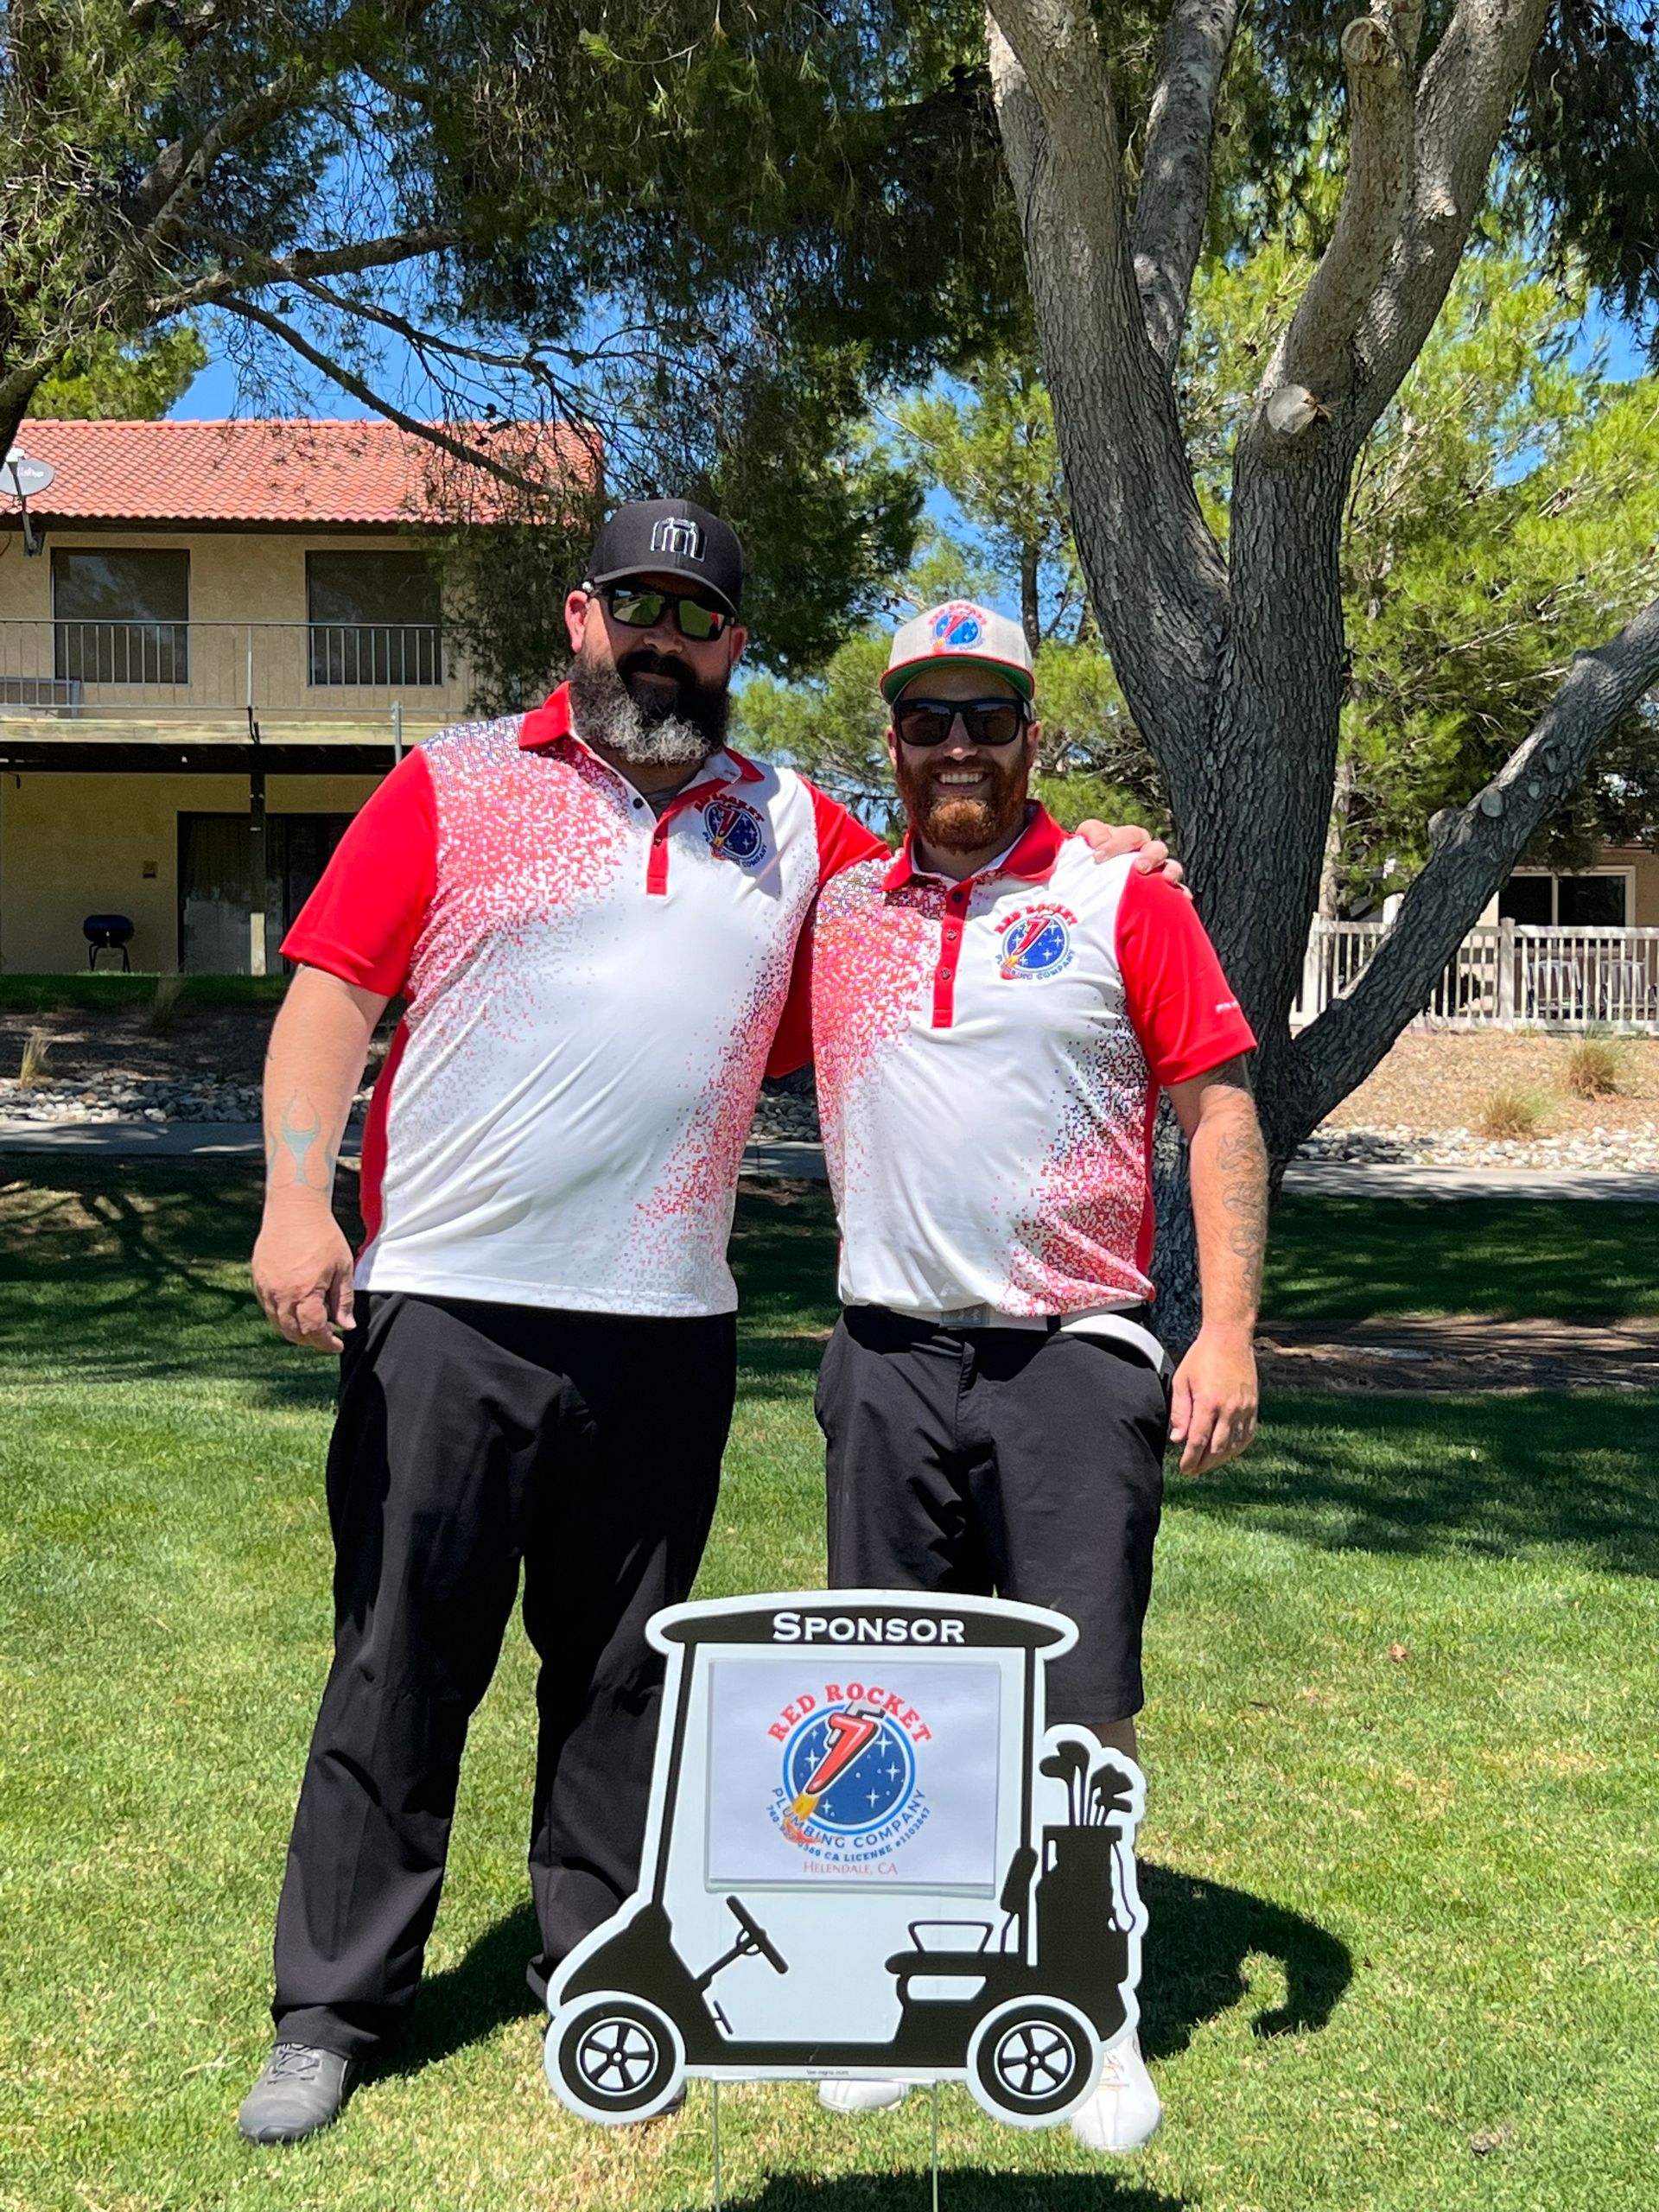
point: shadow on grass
(121, 1270)
(1560, 1257)
(1202, 1933)
(1483, 1477)
(962, 2188)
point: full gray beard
(607, 713)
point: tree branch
(255, 271)
(1155, 573)
(433, 433)
(1378, 51)
(1473, 852)
(1464, 96)
(1167, 232)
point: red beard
(965, 825)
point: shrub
(37, 1059)
(1509, 1114)
(1592, 1069)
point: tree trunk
(1030, 611)
(1331, 873)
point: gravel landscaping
(1421, 1108)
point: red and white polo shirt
(988, 1056)
(594, 993)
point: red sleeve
(792, 1047)
(362, 920)
(842, 839)
(843, 842)
(1182, 1006)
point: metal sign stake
(714, 2105)
(936, 2147)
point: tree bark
(1330, 868)
(1234, 669)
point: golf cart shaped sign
(866, 1858)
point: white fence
(1505, 975)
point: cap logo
(677, 536)
(958, 626)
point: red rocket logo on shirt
(734, 831)
(1034, 942)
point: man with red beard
(994, 1016)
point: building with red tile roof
(284, 474)
(215, 639)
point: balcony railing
(325, 671)
(1505, 975)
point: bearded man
(592, 911)
(993, 1017)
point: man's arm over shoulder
(843, 843)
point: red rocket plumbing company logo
(850, 1795)
(1034, 942)
(734, 831)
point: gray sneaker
(300, 2091)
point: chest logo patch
(1034, 943)
(736, 832)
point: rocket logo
(1033, 943)
(734, 831)
(849, 1787)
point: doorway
(216, 882)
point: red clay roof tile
(268, 472)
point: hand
(1106, 843)
(1214, 1401)
(302, 1269)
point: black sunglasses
(985, 722)
(637, 606)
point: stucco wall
(72, 846)
(235, 575)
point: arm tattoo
(1241, 1165)
(295, 1141)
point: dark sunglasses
(986, 721)
(638, 607)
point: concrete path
(1356, 1180)
(781, 1156)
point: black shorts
(1002, 1462)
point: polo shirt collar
(548, 726)
(1031, 856)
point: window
(1529, 899)
(1572, 902)
(1590, 902)
(374, 619)
(121, 616)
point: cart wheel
(614, 2058)
(1032, 2061)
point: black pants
(1001, 1462)
(473, 1438)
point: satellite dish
(27, 477)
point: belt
(1127, 1323)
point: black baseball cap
(671, 537)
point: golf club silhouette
(1069, 1764)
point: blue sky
(216, 394)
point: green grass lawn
(1400, 1857)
